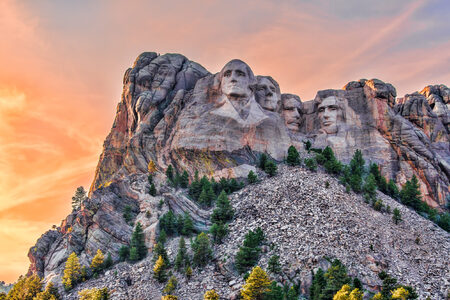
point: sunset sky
(62, 63)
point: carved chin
(293, 126)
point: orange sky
(62, 64)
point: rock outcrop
(174, 112)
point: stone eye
(227, 73)
(240, 73)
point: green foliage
(252, 177)
(275, 292)
(318, 284)
(158, 251)
(392, 189)
(390, 285)
(218, 232)
(370, 188)
(108, 261)
(162, 237)
(97, 262)
(311, 164)
(262, 161)
(184, 180)
(202, 250)
(357, 283)
(333, 166)
(336, 276)
(320, 159)
(171, 285)
(410, 195)
(256, 285)
(270, 168)
(159, 269)
(50, 293)
(307, 144)
(188, 225)
(224, 211)
(150, 179)
(152, 190)
(138, 242)
(94, 294)
(26, 288)
(127, 213)
(273, 265)
(357, 163)
(396, 217)
(72, 271)
(78, 198)
(168, 223)
(124, 252)
(134, 255)
(169, 172)
(293, 157)
(182, 259)
(378, 205)
(248, 254)
(444, 221)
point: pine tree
(410, 194)
(211, 295)
(400, 293)
(252, 177)
(78, 198)
(72, 271)
(211, 195)
(169, 297)
(171, 285)
(158, 251)
(218, 231)
(293, 158)
(184, 181)
(124, 252)
(336, 276)
(396, 217)
(248, 254)
(188, 272)
(169, 172)
(159, 272)
(308, 145)
(94, 294)
(182, 260)
(108, 261)
(317, 286)
(138, 241)
(370, 188)
(97, 261)
(273, 265)
(134, 255)
(152, 190)
(202, 250)
(392, 189)
(262, 161)
(357, 163)
(127, 213)
(270, 168)
(26, 288)
(256, 285)
(203, 198)
(275, 292)
(224, 211)
(50, 293)
(162, 237)
(188, 225)
(311, 164)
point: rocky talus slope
(304, 221)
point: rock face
(173, 111)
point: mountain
(173, 112)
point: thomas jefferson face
(267, 94)
(329, 115)
(235, 80)
(291, 113)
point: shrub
(211, 295)
(218, 231)
(270, 168)
(171, 285)
(224, 211)
(293, 157)
(97, 261)
(138, 241)
(273, 265)
(252, 177)
(311, 164)
(169, 172)
(256, 284)
(320, 159)
(127, 213)
(262, 161)
(94, 294)
(182, 259)
(152, 190)
(159, 270)
(444, 221)
(396, 217)
(202, 250)
(124, 252)
(307, 144)
(72, 271)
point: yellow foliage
(211, 295)
(171, 285)
(151, 167)
(69, 230)
(97, 261)
(256, 285)
(93, 294)
(400, 293)
(72, 271)
(377, 297)
(346, 293)
(169, 297)
(25, 288)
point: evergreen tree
(134, 255)
(234, 185)
(138, 241)
(168, 222)
(218, 231)
(293, 157)
(248, 254)
(182, 260)
(320, 159)
(78, 198)
(108, 261)
(158, 251)
(159, 272)
(346, 293)
(308, 145)
(328, 153)
(50, 293)
(224, 211)
(195, 188)
(152, 190)
(370, 188)
(396, 217)
(203, 198)
(150, 179)
(270, 168)
(410, 194)
(444, 221)
(317, 286)
(356, 182)
(357, 163)
(292, 294)
(171, 285)
(72, 271)
(202, 250)
(256, 285)
(124, 252)
(311, 164)
(252, 177)
(127, 213)
(211, 295)
(188, 225)
(176, 179)
(97, 261)
(392, 189)
(273, 265)
(169, 172)
(400, 293)
(380, 180)
(184, 181)
(169, 297)
(211, 195)
(275, 292)
(262, 161)
(162, 237)
(188, 272)
(333, 166)
(336, 276)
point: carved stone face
(330, 115)
(235, 81)
(291, 113)
(267, 94)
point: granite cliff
(174, 112)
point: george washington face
(235, 81)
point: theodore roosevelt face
(291, 113)
(330, 114)
(235, 81)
